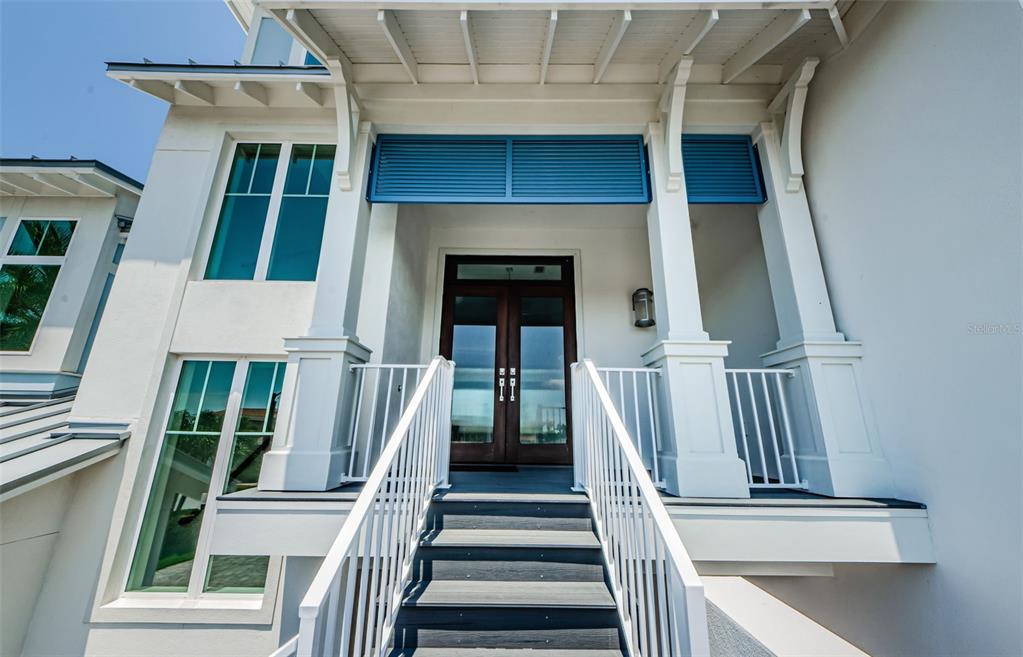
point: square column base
(699, 457)
(310, 449)
(837, 448)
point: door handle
(500, 385)
(512, 381)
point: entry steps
(520, 577)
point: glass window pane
(166, 549)
(310, 60)
(298, 169)
(266, 169)
(323, 165)
(236, 574)
(474, 350)
(256, 423)
(239, 234)
(24, 291)
(273, 44)
(542, 415)
(27, 238)
(57, 238)
(241, 169)
(296, 250)
(508, 272)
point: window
(246, 246)
(273, 44)
(220, 424)
(28, 273)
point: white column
(310, 446)
(700, 459)
(376, 289)
(836, 443)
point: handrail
(658, 592)
(377, 541)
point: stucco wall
(731, 272)
(912, 145)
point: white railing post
(658, 593)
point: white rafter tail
(52, 183)
(23, 188)
(155, 88)
(791, 101)
(389, 24)
(199, 91)
(775, 34)
(691, 37)
(548, 45)
(836, 22)
(254, 91)
(614, 38)
(94, 182)
(675, 98)
(311, 92)
(309, 33)
(470, 48)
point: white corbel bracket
(672, 102)
(346, 99)
(787, 110)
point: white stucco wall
(735, 294)
(65, 323)
(912, 151)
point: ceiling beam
(614, 37)
(389, 24)
(470, 47)
(155, 88)
(311, 92)
(691, 37)
(253, 91)
(778, 31)
(548, 45)
(95, 182)
(50, 182)
(198, 90)
(309, 34)
(836, 22)
(22, 184)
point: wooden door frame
(510, 451)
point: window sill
(219, 609)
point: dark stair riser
(509, 564)
(497, 627)
(509, 515)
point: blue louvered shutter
(579, 170)
(492, 169)
(721, 169)
(437, 169)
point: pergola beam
(21, 186)
(155, 88)
(470, 47)
(311, 92)
(198, 90)
(95, 182)
(49, 182)
(778, 31)
(309, 33)
(389, 24)
(836, 22)
(253, 91)
(614, 38)
(691, 37)
(548, 45)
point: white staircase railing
(634, 392)
(381, 394)
(658, 592)
(763, 431)
(355, 596)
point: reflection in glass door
(509, 326)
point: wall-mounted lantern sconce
(643, 307)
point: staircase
(508, 575)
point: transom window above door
(271, 217)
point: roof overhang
(64, 178)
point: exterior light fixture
(643, 307)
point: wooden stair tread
(501, 652)
(476, 593)
(512, 538)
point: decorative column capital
(787, 110)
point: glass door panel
(474, 350)
(543, 417)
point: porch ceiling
(563, 42)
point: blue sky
(55, 98)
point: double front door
(509, 326)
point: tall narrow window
(28, 273)
(211, 445)
(273, 44)
(268, 230)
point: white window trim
(37, 260)
(132, 606)
(273, 208)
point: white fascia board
(529, 5)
